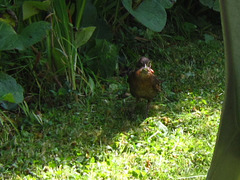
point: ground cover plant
(103, 137)
(75, 118)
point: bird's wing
(156, 84)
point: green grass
(105, 137)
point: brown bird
(143, 83)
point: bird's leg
(148, 106)
(137, 100)
(136, 104)
(134, 107)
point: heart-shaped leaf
(31, 8)
(10, 90)
(213, 4)
(167, 3)
(150, 13)
(30, 35)
(82, 36)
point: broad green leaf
(213, 4)
(189, 27)
(8, 97)
(30, 35)
(103, 30)
(106, 61)
(150, 13)
(89, 15)
(10, 90)
(90, 18)
(31, 8)
(8, 37)
(82, 36)
(216, 6)
(208, 38)
(167, 3)
(34, 33)
(62, 91)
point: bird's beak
(148, 69)
(145, 67)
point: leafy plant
(83, 35)
(65, 42)
(11, 94)
(31, 8)
(213, 4)
(103, 58)
(29, 35)
(10, 90)
(150, 13)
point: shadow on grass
(69, 135)
(78, 134)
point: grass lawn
(106, 136)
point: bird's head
(144, 61)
